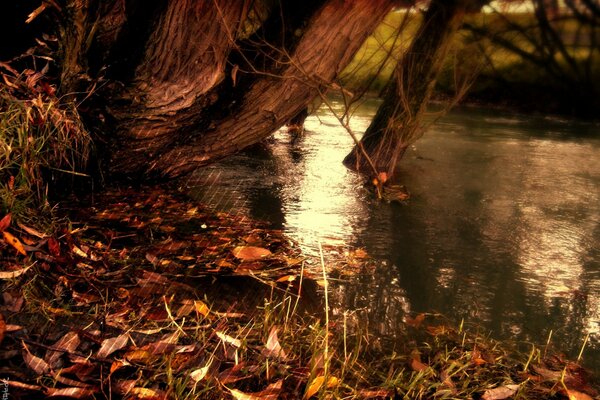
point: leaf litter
(144, 282)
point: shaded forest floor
(144, 294)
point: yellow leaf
(201, 308)
(316, 384)
(14, 242)
(575, 395)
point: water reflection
(503, 228)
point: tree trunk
(398, 121)
(175, 94)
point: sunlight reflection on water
(503, 227)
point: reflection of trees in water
(460, 253)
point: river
(502, 229)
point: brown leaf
(417, 365)
(38, 365)
(251, 253)
(2, 328)
(5, 222)
(21, 385)
(53, 247)
(72, 392)
(111, 345)
(375, 393)
(14, 242)
(68, 343)
(272, 347)
(500, 393)
(32, 232)
(414, 322)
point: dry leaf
(32, 232)
(111, 345)
(68, 343)
(2, 328)
(316, 384)
(38, 365)
(417, 365)
(272, 347)
(147, 394)
(500, 393)
(250, 253)
(228, 339)
(14, 242)
(200, 373)
(270, 393)
(201, 308)
(414, 322)
(72, 392)
(14, 274)
(375, 393)
(5, 222)
(575, 395)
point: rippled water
(503, 227)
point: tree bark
(159, 141)
(398, 121)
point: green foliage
(41, 136)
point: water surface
(502, 230)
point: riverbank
(145, 294)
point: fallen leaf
(228, 339)
(38, 365)
(147, 394)
(417, 365)
(72, 392)
(5, 222)
(250, 253)
(272, 347)
(375, 393)
(414, 322)
(200, 373)
(500, 393)
(21, 385)
(270, 393)
(54, 247)
(575, 395)
(32, 232)
(13, 301)
(15, 273)
(111, 345)
(2, 328)
(287, 278)
(68, 343)
(201, 308)
(317, 383)
(14, 242)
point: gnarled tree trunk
(192, 88)
(398, 121)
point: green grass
(41, 137)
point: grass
(41, 139)
(124, 274)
